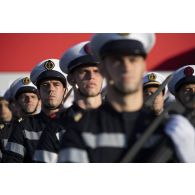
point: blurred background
(20, 52)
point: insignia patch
(26, 81)
(2, 126)
(188, 71)
(20, 119)
(49, 65)
(87, 48)
(77, 117)
(152, 77)
(124, 34)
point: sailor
(106, 133)
(52, 87)
(182, 86)
(151, 82)
(85, 78)
(25, 95)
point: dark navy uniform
(5, 132)
(105, 135)
(26, 133)
(49, 145)
(47, 150)
(24, 138)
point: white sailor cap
(153, 79)
(48, 69)
(183, 75)
(8, 95)
(103, 44)
(22, 85)
(77, 55)
(1, 94)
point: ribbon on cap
(87, 49)
(188, 71)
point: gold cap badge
(152, 77)
(49, 65)
(26, 81)
(124, 34)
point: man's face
(5, 112)
(158, 102)
(125, 72)
(52, 93)
(88, 79)
(186, 94)
(28, 102)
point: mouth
(51, 97)
(91, 85)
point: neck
(48, 112)
(88, 103)
(127, 102)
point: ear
(71, 80)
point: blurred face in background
(158, 102)
(5, 112)
(124, 72)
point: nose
(51, 87)
(27, 99)
(126, 64)
(90, 75)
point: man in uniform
(105, 134)
(151, 83)
(182, 86)
(5, 121)
(86, 80)
(5, 112)
(51, 84)
(24, 95)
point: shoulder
(179, 126)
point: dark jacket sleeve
(15, 150)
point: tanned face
(158, 103)
(88, 79)
(28, 102)
(186, 94)
(52, 93)
(5, 112)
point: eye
(56, 84)
(82, 71)
(188, 91)
(116, 62)
(45, 84)
(148, 93)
